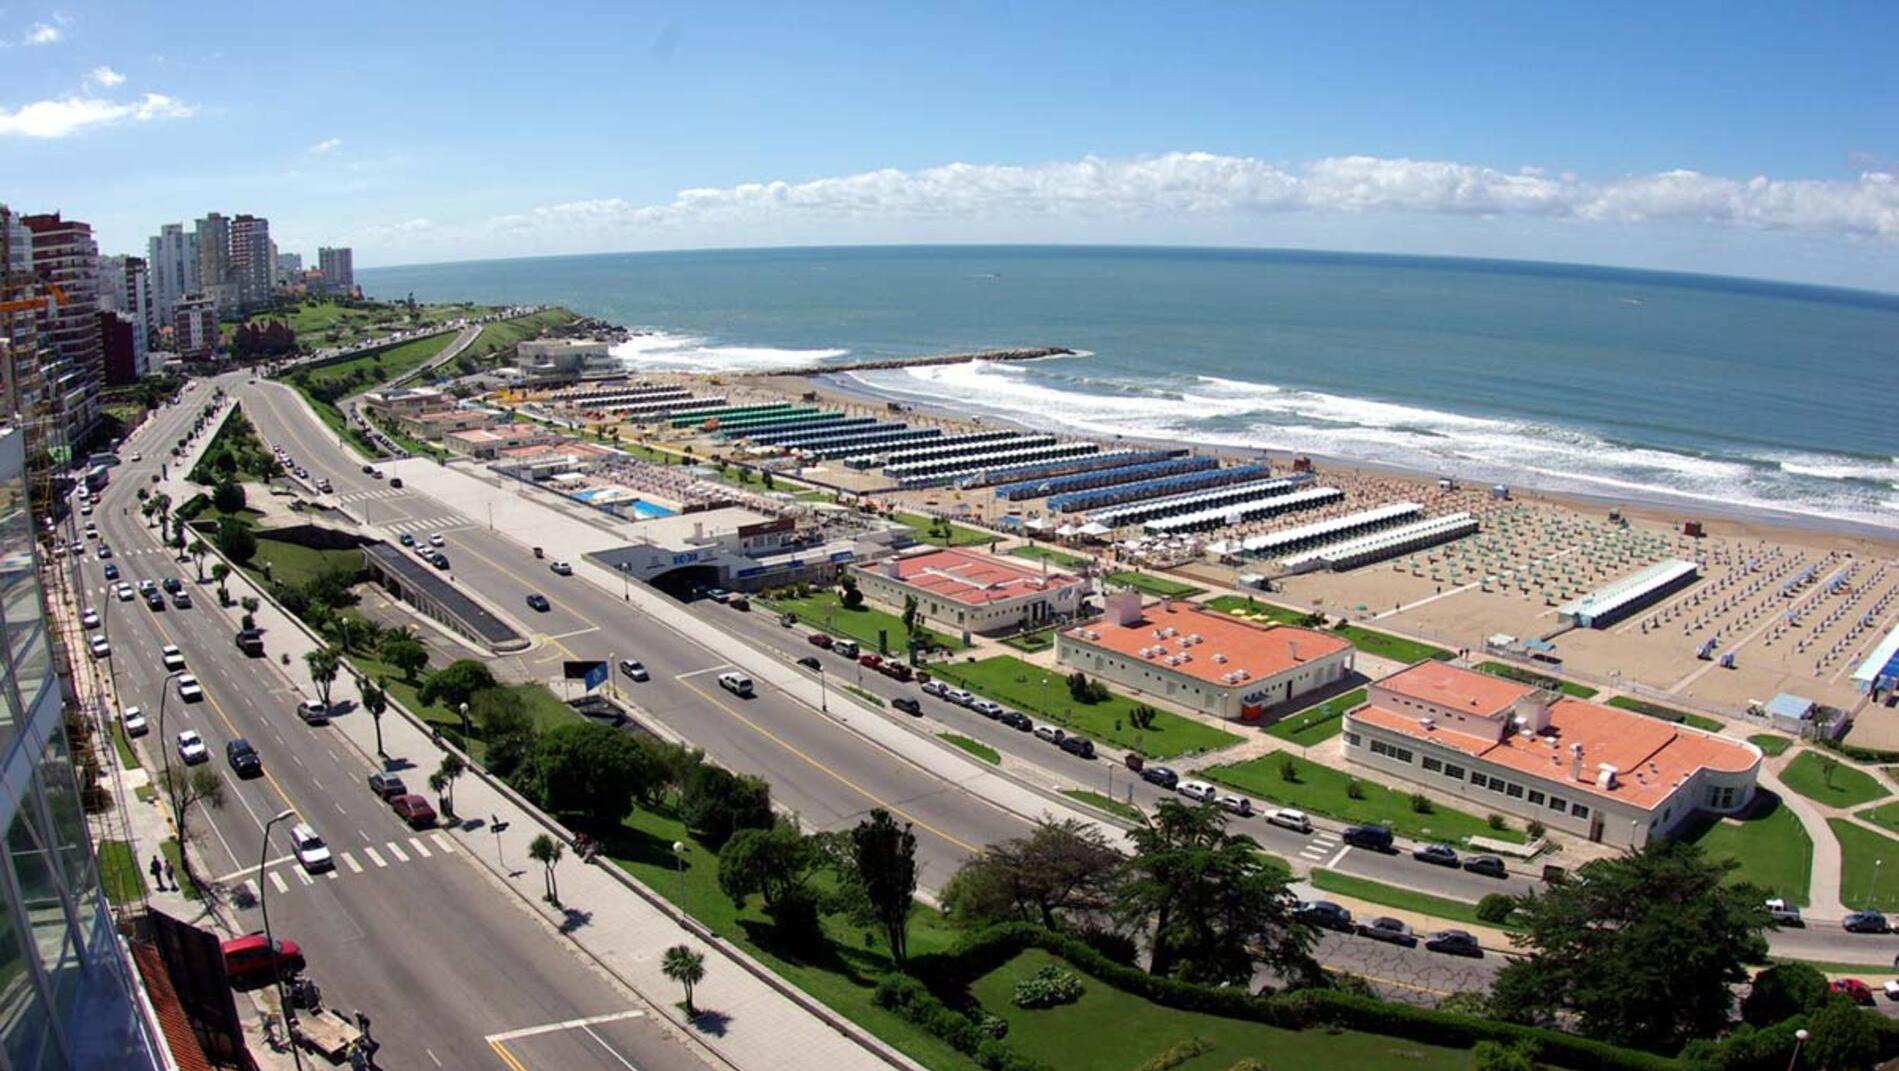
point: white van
(847, 648)
(1287, 818)
(736, 683)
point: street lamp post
(1800, 1038)
(1044, 696)
(466, 732)
(164, 694)
(824, 700)
(1872, 884)
(270, 943)
(679, 864)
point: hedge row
(982, 952)
(913, 1001)
(1858, 753)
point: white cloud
(60, 118)
(326, 145)
(42, 34)
(1195, 186)
(105, 76)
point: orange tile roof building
(1595, 771)
(973, 592)
(1201, 659)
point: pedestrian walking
(171, 876)
(158, 874)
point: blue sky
(1730, 138)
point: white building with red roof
(1606, 774)
(1201, 659)
(973, 592)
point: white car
(133, 720)
(1239, 805)
(124, 592)
(562, 568)
(174, 658)
(1197, 790)
(138, 457)
(189, 690)
(100, 648)
(310, 849)
(1287, 818)
(191, 748)
(437, 541)
(313, 712)
(86, 510)
(89, 618)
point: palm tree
(687, 967)
(546, 851)
(323, 663)
(221, 572)
(375, 700)
(198, 551)
(452, 769)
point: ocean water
(1692, 389)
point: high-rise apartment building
(22, 382)
(66, 257)
(339, 273)
(250, 261)
(195, 328)
(172, 258)
(125, 288)
(214, 262)
(289, 268)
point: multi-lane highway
(453, 970)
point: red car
(870, 661)
(413, 809)
(1854, 990)
(249, 958)
(820, 639)
(896, 671)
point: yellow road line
(506, 1056)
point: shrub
(1354, 790)
(1421, 803)
(1177, 1054)
(1047, 988)
(1118, 947)
(1288, 770)
(1496, 908)
(1248, 1064)
(1347, 982)
(1783, 991)
(1466, 1002)
(1495, 820)
(1496, 1056)
(1535, 829)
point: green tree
(1497, 1056)
(1060, 874)
(1214, 911)
(879, 878)
(456, 683)
(1783, 991)
(778, 864)
(1646, 952)
(197, 551)
(848, 595)
(404, 652)
(507, 729)
(323, 664)
(188, 788)
(687, 967)
(228, 497)
(715, 803)
(236, 540)
(451, 769)
(546, 851)
(909, 615)
(221, 573)
(588, 769)
(375, 700)
(1842, 1037)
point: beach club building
(971, 592)
(1204, 660)
(1609, 775)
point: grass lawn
(1378, 892)
(842, 974)
(1864, 854)
(1314, 724)
(145, 793)
(1398, 649)
(185, 882)
(974, 747)
(1037, 552)
(1543, 680)
(825, 610)
(1656, 710)
(1111, 1030)
(1323, 790)
(1158, 586)
(1254, 610)
(128, 759)
(119, 872)
(868, 697)
(370, 369)
(542, 705)
(1771, 744)
(294, 564)
(959, 536)
(1031, 642)
(1771, 845)
(1847, 787)
(1012, 682)
(1101, 802)
(1886, 814)
(502, 336)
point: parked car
(243, 758)
(1853, 989)
(1387, 929)
(634, 669)
(1324, 914)
(1377, 838)
(1050, 734)
(870, 661)
(1197, 790)
(99, 647)
(987, 708)
(133, 720)
(386, 785)
(736, 683)
(907, 704)
(439, 560)
(960, 697)
(395, 482)
(191, 748)
(1435, 854)
(819, 639)
(310, 849)
(847, 648)
(189, 690)
(1016, 720)
(787, 619)
(413, 809)
(251, 958)
(104, 552)
(1784, 913)
(1865, 922)
(1287, 818)
(562, 569)
(1079, 746)
(718, 595)
(896, 671)
(111, 571)
(1164, 776)
(313, 712)
(739, 602)
(538, 602)
(1490, 866)
(1454, 943)
(1239, 805)
(89, 619)
(251, 642)
(811, 662)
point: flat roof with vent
(974, 579)
(1218, 648)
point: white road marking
(442, 843)
(571, 1024)
(1335, 859)
(250, 886)
(420, 848)
(304, 877)
(277, 882)
(702, 672)
(396, 850)
(373, 857)
(350, 861)
(615, 1053)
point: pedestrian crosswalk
(371, 495)
(372, 857)
(1321, 848)
(413, 525)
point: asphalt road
(453, 970)
(817, 766)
